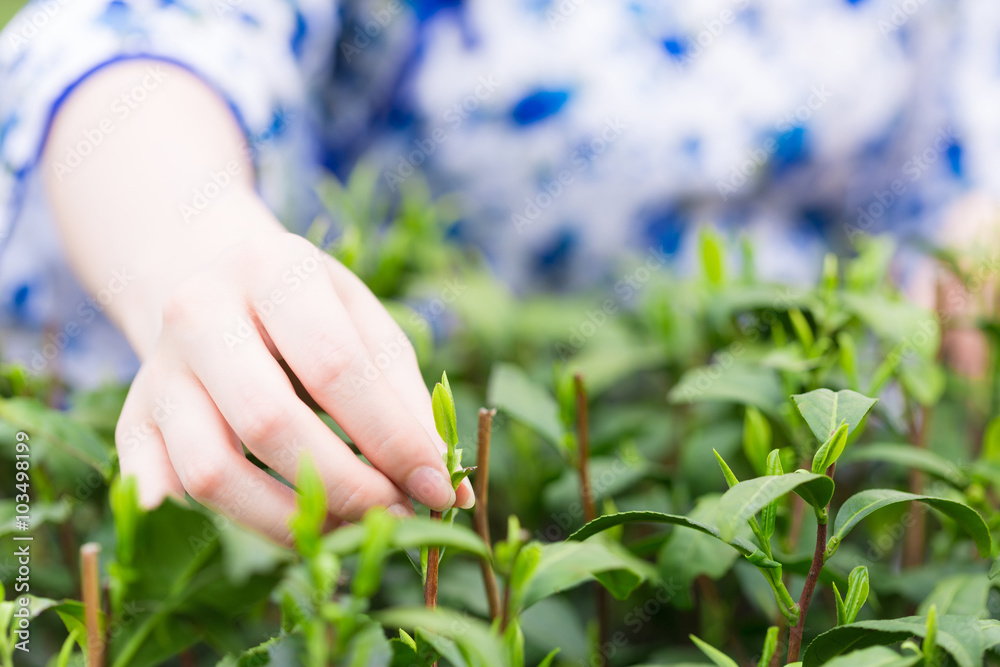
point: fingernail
(470, 499)
(400, 509)
(431, 488)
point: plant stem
(481, 516)
(795, 634)
(431, 583)
(590, 510)
(90, 578)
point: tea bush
(701, 469)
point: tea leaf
(747, 498)
(715, 655)
(830, 451)
(513, 392)
(965, 638)
(874, 656)
(910, 457)
(865, 503)
(825, 410)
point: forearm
(165, 186)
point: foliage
(750, 448)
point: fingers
(211, 466)
(257, 400)
(317, 339)
(393, 355)
(142, 453)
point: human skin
(222, 307)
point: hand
(213, 380)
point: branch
(481, 516)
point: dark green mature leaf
(473, 637)
(875, 656)
(747, 498)
(862, 504)
(749, 550)
(825, 410)
(911, 457)
(515, 393)
(965, 638)
(563, 565)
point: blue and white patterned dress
(571, 128)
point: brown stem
(90, 577)
(481, 516)
(431, 583)
(590, 510)
(795, 637)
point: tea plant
(680, 469)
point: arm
(212, 301)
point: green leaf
(57, 438)
(756, 439)
(802, 329)
(547, 660)
(443, 403)
(685, 555)
(910, 457)
(473, 637)
(830, 451)
(930, 637)
(906, 325)
(409, 533)
(747, 498)
(875, 656)
(727, 472)
(715, 655)
(995, 568)
(965, 638)
(711, 247)
(841, 608)
(770, 646)
(746, 548)
(825, 410)
(991, 441)
(730, 383)
(961, 595)
(515, 393)
(857, 593)
(863, 504)
(310, 514)
(848, 357)
(563, 565)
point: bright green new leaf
(841, 607)
(756, 439)
(547, 660)
(857, 593)
(715, 655)
(443, 403)
(863, 504)
(825, 410)
(711, 246)
(830, 451)
(965, 638)
(930, 637)
(747, 498)
(310, 514)
(991, 441)
(473, 637)
(802, 329)
(770, 646)
(848, 357)
(727, 472)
